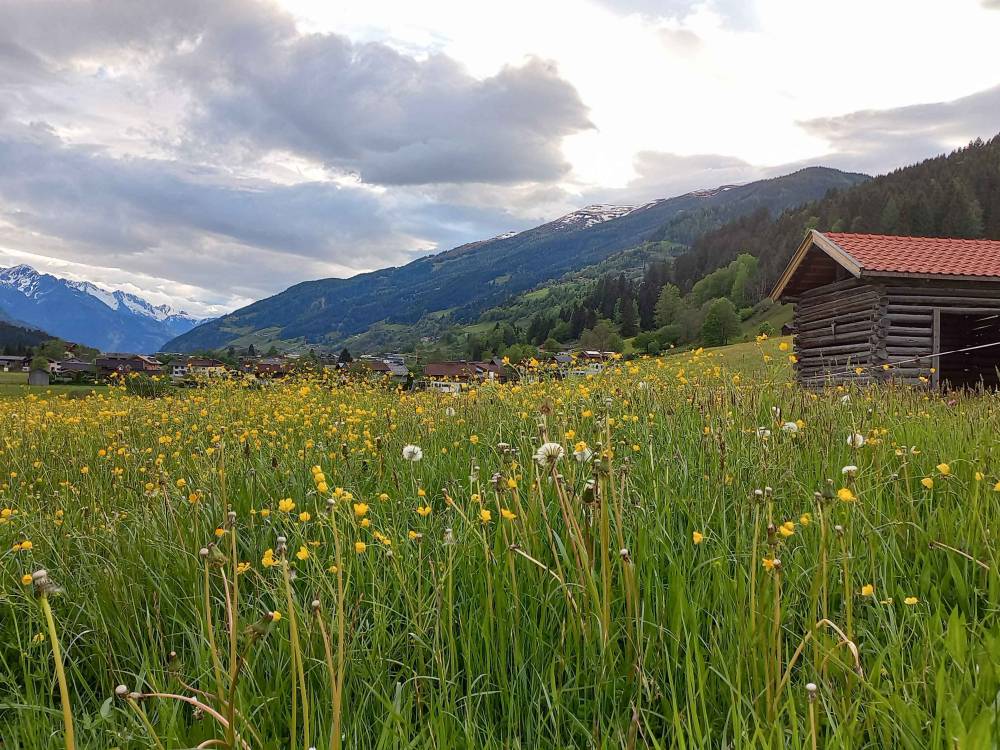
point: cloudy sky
(211, 153)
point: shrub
(142, 385)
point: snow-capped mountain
(80, 311)
(597, 213)
(118, 299)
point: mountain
(953, 195)
(86, 313)
(462, 282)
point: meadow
(682, 552)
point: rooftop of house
(824, 256)
(461, 369)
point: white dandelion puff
(548, 453)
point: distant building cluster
(448, 376)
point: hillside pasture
(681, 552)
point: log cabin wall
(865, 324)
(910, 329)
(839, 327)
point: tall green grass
(590, 619)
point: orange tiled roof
(881, 253)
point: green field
(682, 552)
(14, 385)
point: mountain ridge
(465, 280)
(81, 311)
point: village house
(14, 363)
(205, 368)
(449, 376)
(919, 310)
(395, 371)
(582, 363)
(73, 368)
(266, 367)
(123, 364)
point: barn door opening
(962, 329)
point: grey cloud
(386, 116)
(664, 175)
(870, 141)
(880, 140)
(258, 84)
(202, 228)
(58, 31)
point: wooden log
(894, 330)
(841, 329)
(838, 312)
(918, 341)
(837, 286)
(895, 318)
(826, 299)
(985, 306)
(838, 304)
(863, 346)
(865, 292)
(900, 305)
(814, 340)
(941, 291)
(858, 318)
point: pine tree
(627, 317)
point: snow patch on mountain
(22, 278)
(597, 213)
(108, 298)
(117, 300)
(709, 192)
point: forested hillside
(957, 195)
(17, 341)
(708, 294)
(459, 284)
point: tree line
(957, 195)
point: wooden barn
(874, 307)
